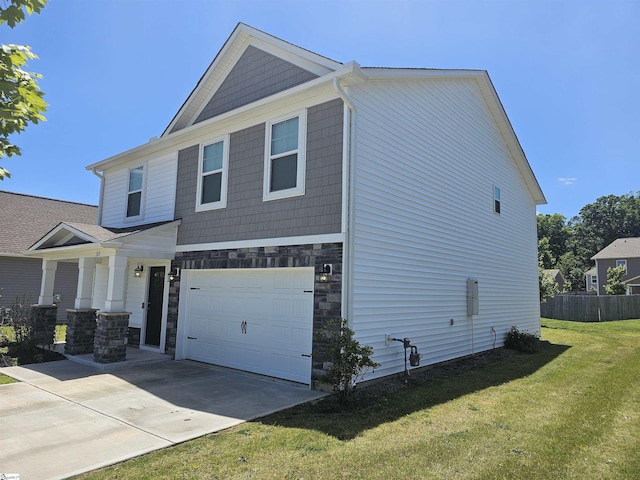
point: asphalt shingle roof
(621, 248)
(24, 219)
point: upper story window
(622, 263)
(594, 279)
(134, 195)
(212, 175)
(496, 199)
(285, 157)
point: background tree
(614, 284)
(570, 245)
(554, 228)
(21, 100)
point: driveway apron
(64, 418)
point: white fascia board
(262, 242)
(60, 227)
(72, 252)
(189, 135)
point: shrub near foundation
(521, 341)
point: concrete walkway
(65, 418)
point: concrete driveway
(64, 418)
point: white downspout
(101, 177)
(348, 266)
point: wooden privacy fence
(591, 308)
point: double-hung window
(496, 199)
(622, 263)
(285, 157)
(134, 193)
(212, 174)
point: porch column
(116, 285)
(86, 267)
(48, 280)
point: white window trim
(222, 203)
(594, 279)
(301, 152)
(142, 190)
(499, 200)
(622, 262)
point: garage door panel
(277, 306)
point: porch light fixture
(325, 273)
(174, 274)
(138, 270)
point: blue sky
(116, 71)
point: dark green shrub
(349, 361)
(521, 341)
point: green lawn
(572, 410)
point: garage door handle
(305, 355)
(192, 338)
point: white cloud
(567, 181)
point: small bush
(521, 341)
(350, 361)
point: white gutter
(101, 177)
(348, 266)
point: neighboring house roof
(26, 218)
(591, 271)
(553, 272)
(620, 249)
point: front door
(154, 307)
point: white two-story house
(291, 189)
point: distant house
(621, 252)
(557, 277)
(591, 279)
(291, 189)
(24, 219)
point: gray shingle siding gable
(247, 216)
(256, 75)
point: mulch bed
(15, 356)
(377, 391)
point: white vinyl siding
(422, 226)
(159, 192)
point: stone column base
(43, 319)
(81, 331)
(111, 337)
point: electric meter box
(472, 296)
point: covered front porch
(123, 287)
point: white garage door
(259, 320)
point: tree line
(568, 245)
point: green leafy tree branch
(21, 100)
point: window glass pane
(496, 193)
(133, 204)
(135, 179)
(497, 206)
(284, 136)
(211, 187)
(284, 172)
(212, 157)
